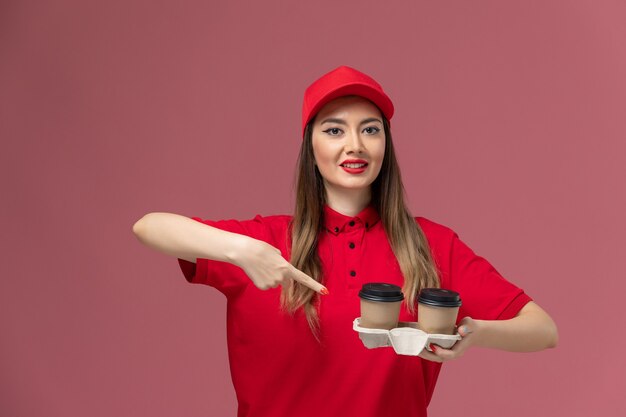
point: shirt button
(351, 223)
(352, 245)
(353, 273)
(336, 229)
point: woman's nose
(354, 143)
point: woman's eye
(371, 130)
(333, 131)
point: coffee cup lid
(439, 297)
(380, 291)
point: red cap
(343, 81)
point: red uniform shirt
(277, 366)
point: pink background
(510, 128)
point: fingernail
(466, 331)
(432, 347)
(324, 290)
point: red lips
(358, 170)
(354, 161)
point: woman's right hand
(190, 240)
(266, 267)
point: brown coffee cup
(437, 310)
(380, 305)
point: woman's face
(348, 144)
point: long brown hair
(406, 238)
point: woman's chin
(352, 187)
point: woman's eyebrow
(343, 122)
(371, 119)
(333, 120)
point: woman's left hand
(467, 330)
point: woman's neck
(348, 202)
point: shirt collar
(336, 222)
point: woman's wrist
(236, 248)
(481, 328)
(494, 334)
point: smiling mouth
(354, 166)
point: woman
(292, 349)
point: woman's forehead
(348, 104)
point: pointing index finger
(303, 278)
